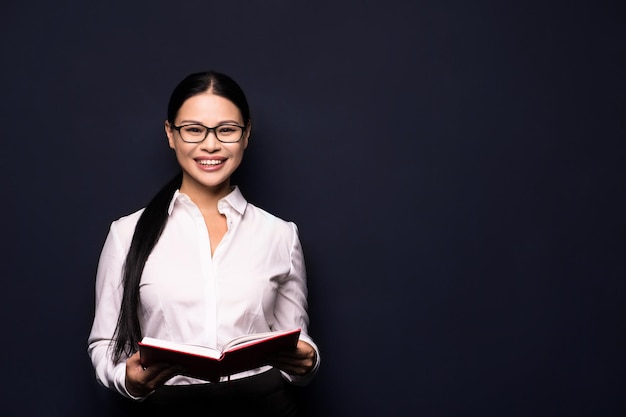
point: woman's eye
(227, 130)
(194, 130)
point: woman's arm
(127, 376)
(300, 365)
(107, 303)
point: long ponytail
(147, 233)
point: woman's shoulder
(253, 213)
(264, 217)
(126, 223)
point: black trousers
(260, 395)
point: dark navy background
(456, 170)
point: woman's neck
(206, 198)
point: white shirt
(254, 282)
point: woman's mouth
(210, 162)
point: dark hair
(219, 84)
(154, 217)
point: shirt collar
(235, 199)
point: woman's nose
(210, 142)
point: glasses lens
(229, 133)
(193, 133)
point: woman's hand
(142, 381)
(298, 361)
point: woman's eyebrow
(218, 123)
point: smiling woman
(206, 159)
(200, 265)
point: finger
(293, 366)
(302, 350)
(295, 355)
(153, 371)
(292, 369)
(154, 376)
(149, 372)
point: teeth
(210, 162)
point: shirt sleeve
(290, 310)
(108, 294)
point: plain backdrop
(456, 170)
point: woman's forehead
(209, 106)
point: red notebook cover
(241, 354)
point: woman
(201, 265)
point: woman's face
(210, 163)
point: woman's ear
(246, 135)
(170, 134)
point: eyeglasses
(196, 133)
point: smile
(210, 161)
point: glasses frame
(208, 130)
